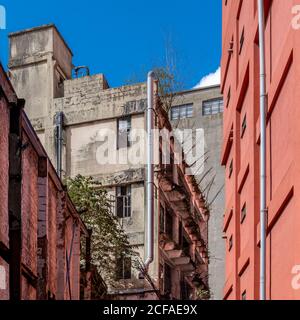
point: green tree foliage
(108, 238)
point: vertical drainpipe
(150, 171)
(59, 119)
(263, 207)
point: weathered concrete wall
(84, 149)
(213, 130)
(89, 85)
(39, 63)
(92, 103)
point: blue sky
(125, 38)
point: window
(230, 244)
(169, 224)
(242, 38)
(123, 268)
(185, 246)
(228, 97)
(167, 279)
(211, 107)
(182, 112)
(230, 168)
(166, 222)
(162, 219)
(180, 234)
(123, 201)
(244, 295)
(244, 126)
(124, 128)
(243, 213)
(186, 290)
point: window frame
(243, 212)
(188, 113)
(121, 272)
(120, 133)
(126, 205)
(209, 105)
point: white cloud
(211, 79)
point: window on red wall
(230, 169)
(243, 213)
(244, 126)
(242, 38)
(244, 295)
(230, 243)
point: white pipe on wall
(150, 171)
(263, 206)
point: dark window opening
(169, 224)
(123, 268)
(230, 168)
(167, 279)
(186, 291)
(244, 295)
(242, 38)
(230, 245)
(243, 213)
(228, 97)
(123, 201)
(180, 234)
(162, 219)
(185, 246)
(244, 126)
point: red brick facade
(40, 228)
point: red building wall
(29, 207)
(240, 86)
(35, 212)
(4, 179)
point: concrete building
(41, 70)
(203, 109)
(241, 152)
(40, 229)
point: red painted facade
(40, 228)
(240, 155)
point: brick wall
(4, 131)
(29, 211)
(51, 226)
(52, 229)
(6, 96)
(34, 203)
